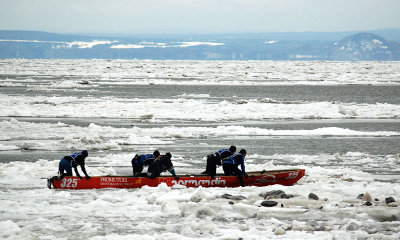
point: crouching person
(139, 161)
(73, 161)
(230, 166)
(67, 163)
(161, 164)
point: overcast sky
(198, 16)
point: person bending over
(214, 159)
(73, 161)
(139, 161)
(230, 166)
(161, 164)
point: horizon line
(198, 33)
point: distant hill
(366, 46)
(261, 46)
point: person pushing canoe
(67, 163)
(230, 166)
(214, 159)
(73, 161)
(139, 161)
(161, 164)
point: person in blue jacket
(230, 166)
(161, 164)
(139, 161)
(73, 161)
(214, 159)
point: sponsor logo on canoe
(293, 175)
(203, 182)
(114, 181)
(266, 179)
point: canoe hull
(262, 178)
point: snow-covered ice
(347, 140)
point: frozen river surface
(338, 120)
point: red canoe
(262, 178)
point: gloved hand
(245, 175)
(176, 178)
(80, 178)
(88, 177)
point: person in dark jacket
(139, 161)
(230, 166)
(73, 161)
(214, 159)
(161, 164)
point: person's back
(147, 159)
(79, 158)
(224, 153)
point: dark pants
(232, 170)
(154, 170)
(212, 163)
(66, 166)
(137, 167)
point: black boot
(49, 183)
(241, 180)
